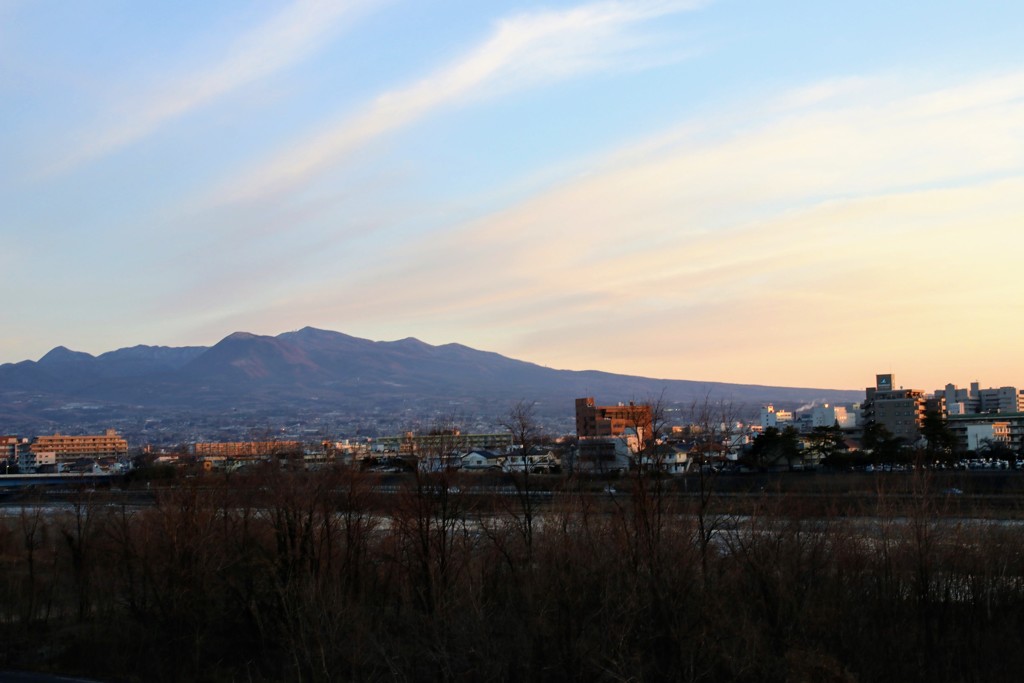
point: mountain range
(313, 371)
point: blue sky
(777, 193)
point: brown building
(108, 445)
(593, 421)
(247, 449)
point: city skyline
(792, 195)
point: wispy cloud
(522, 51)
(282, 41)
(837, 202)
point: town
(669, 539)
(892, 429)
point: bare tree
(711, 425)
(646, 420)
(77, 529)
(32, 531)
(646, 517)
(521, 423)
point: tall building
(901, 411)
(1001, 400)
(598, 421)
(980, 417)
(65, 448)
(610, 435)
(976, 400)
(960, 401)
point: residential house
(479, 460)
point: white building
(479, 460)
(827, 415)
(770, 417)
(677, 460)
(537, 459)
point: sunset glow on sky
(796, 193)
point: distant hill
(311, 371)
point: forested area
(306, 576)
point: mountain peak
(62, 354)
(313, 338)
(313, 333)
(411, 341)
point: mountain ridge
(310, 371)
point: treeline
(301, 577)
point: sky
(790, 193)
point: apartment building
(974, 430)
(246, 449)
(10, 447)
(66, 448)
(450, 440)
